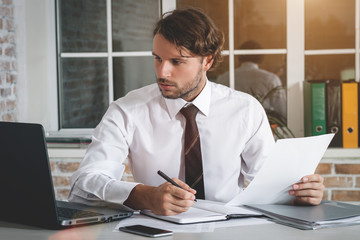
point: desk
(9, 231)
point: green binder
(314, 108)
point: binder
(327, 214)
(350, 114)
(334, 111)
(314, 108)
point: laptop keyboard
(70, 213)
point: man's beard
(186, 92)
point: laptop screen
(25, 176)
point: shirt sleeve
(97, 181)
(260, 143)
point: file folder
(334, 111)
(350, 114)
(314, 108)
(327, 214)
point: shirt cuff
(118, 191)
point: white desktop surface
(9, 231)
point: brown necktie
(192, 150)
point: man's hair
(251, 44)
(192, 29)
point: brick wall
(342, 177)
(8, 65)
(63, 167)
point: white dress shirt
(147, 128)
(258, 82)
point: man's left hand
(309, 191)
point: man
(147, 126)
(258, 82)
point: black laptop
(27, 193)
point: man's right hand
(165, 199)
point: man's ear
(208, 61)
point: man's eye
(176, 62)
(158, 59)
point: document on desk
(206, 211)
(290, 160)
(196, 227)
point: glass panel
(83, 26)
(320, 67)
(216, 10)
(263, 21)
(331, 28)
(131, 73)
(221, 73)
(273, 63)
(264, 77)
(133, 23)
(83, 92)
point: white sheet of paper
(193, 228)
(223, 208)
(237, 222)
(152, 222)
(290, 160)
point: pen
(163, 175)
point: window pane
(273, 63)
(322, 67)
(264, 77)
(263, 21)
(332, 27)
(82, 26)
(83, 92)
(216, 10)
(133, 23)
(221, 73)
(131, 73)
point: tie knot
(189, 112)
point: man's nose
(165, 69)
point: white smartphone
(146, 231)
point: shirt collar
(202, 102)
(249, 65)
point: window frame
(295, 55)
(296, 61)
(165, 5)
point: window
(298, 42)
(255, 48)
(101, 45)
(329, 40)
(104, 51)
